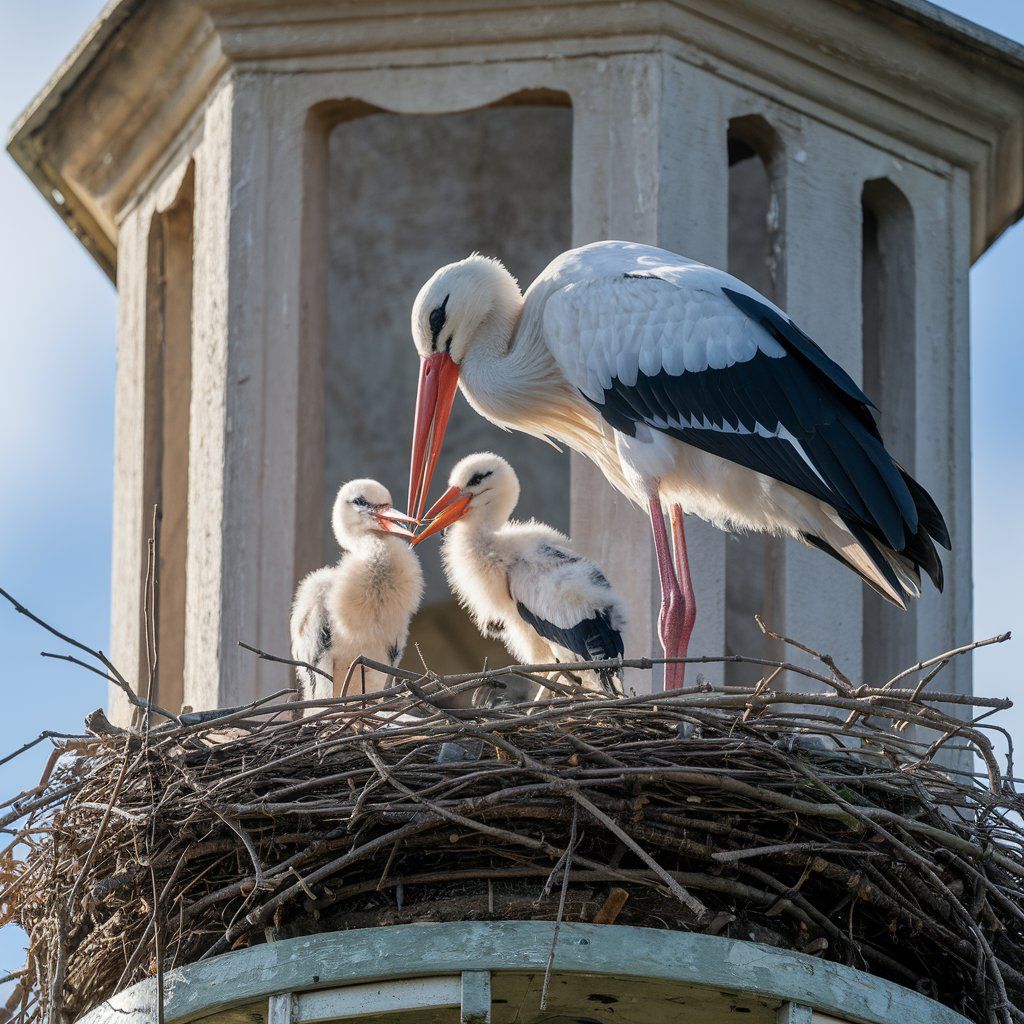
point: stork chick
(361, 605)
(521, 582)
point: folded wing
(694, 353)
(566, 599)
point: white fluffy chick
(363, 604)
(521, 581)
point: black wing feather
(788, 332)
(808, 396)
(593, 639)
(931, 517)
(323, 637)
(822, 545)
(655, 401)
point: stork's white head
(363, 509)
(465, 304)
(467, 307)
(483, 490)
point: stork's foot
(675, 624)
(678, 604)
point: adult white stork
(521, 582)
(361, 605)
(688, 389)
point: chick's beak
(448, 509)
(439, 379)
(390, 521)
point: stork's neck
(485, 518)
(477, 541)
(518, 385)
(369, 545)
(510, 377)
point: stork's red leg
(685, 584)
(675, 622)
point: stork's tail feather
(928, 512)
(890, 570)
(896, 575)
(867, 562)
(920, 551)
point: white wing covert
(567, 600)
(311, 629)
(696, 354)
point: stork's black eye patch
(438, 317)
(360, 501)
(478, 478)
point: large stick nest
(819, 822)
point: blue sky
(56, 423)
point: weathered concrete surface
(254, 96)
(405, 196)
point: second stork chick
(521, 581)
(361, 605)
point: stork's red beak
(448, 509)
(439, 378)
(390, 521)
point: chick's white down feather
(506, 573)
(361, 605)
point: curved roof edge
(982, 60)
(947, 25)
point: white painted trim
(377, 997)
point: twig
(151, 603)
(826, 659)
(113, 675)
(264, 656)
(999, 638)
(46, 734)
(566, 870)
(609, 910)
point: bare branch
(112, 674)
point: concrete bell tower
(269, 183)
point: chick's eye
(360, 502)
(478, 478)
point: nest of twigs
(830, 823)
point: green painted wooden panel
(678, 959)
(476, 997)
(390, 997)
(794, 1013)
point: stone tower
(269, 182)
